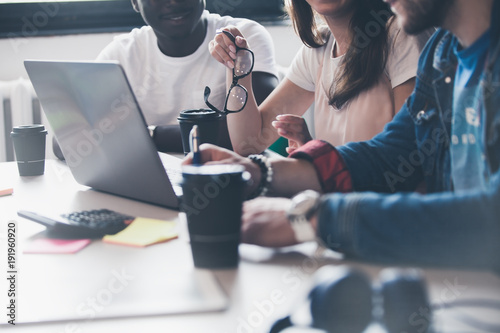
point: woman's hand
(294, 128)
(223, 49)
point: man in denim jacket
(445, 142)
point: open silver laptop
(102, 132)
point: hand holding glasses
(237, 95)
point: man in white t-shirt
(168, 63)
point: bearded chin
(414, 28)
(427, 14)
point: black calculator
(82, 224)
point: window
(25, 18)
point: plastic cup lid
(198, 114)
(28, 129)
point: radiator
(19, 106)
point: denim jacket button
(420, 114)
(447, 80)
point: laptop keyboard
(175, 176)
(173, 168)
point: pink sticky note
(6, 191)
(61, 246)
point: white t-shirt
(366, 115)
(164, 86)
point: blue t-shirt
(469, 168)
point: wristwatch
(151, 129)
(304, 206)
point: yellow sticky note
(143, 232)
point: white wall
(13, 51)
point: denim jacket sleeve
(443, 229)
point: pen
(194, 145)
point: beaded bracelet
(266, 175)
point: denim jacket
(442, 227)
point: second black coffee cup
(210, 124)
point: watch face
(304, 203)
(304, 206)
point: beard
(420, 15)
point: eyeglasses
(237, 95)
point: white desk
(265, 286)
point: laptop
(102, 132)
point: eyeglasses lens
(243, 63)
(236, 99)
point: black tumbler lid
(28, 130)
(199, 114)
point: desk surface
(265, 286)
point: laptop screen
(100, 129)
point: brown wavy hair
(364, 62)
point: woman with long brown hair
(357, 66)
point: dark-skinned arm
(263, 84)
(167, 138)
